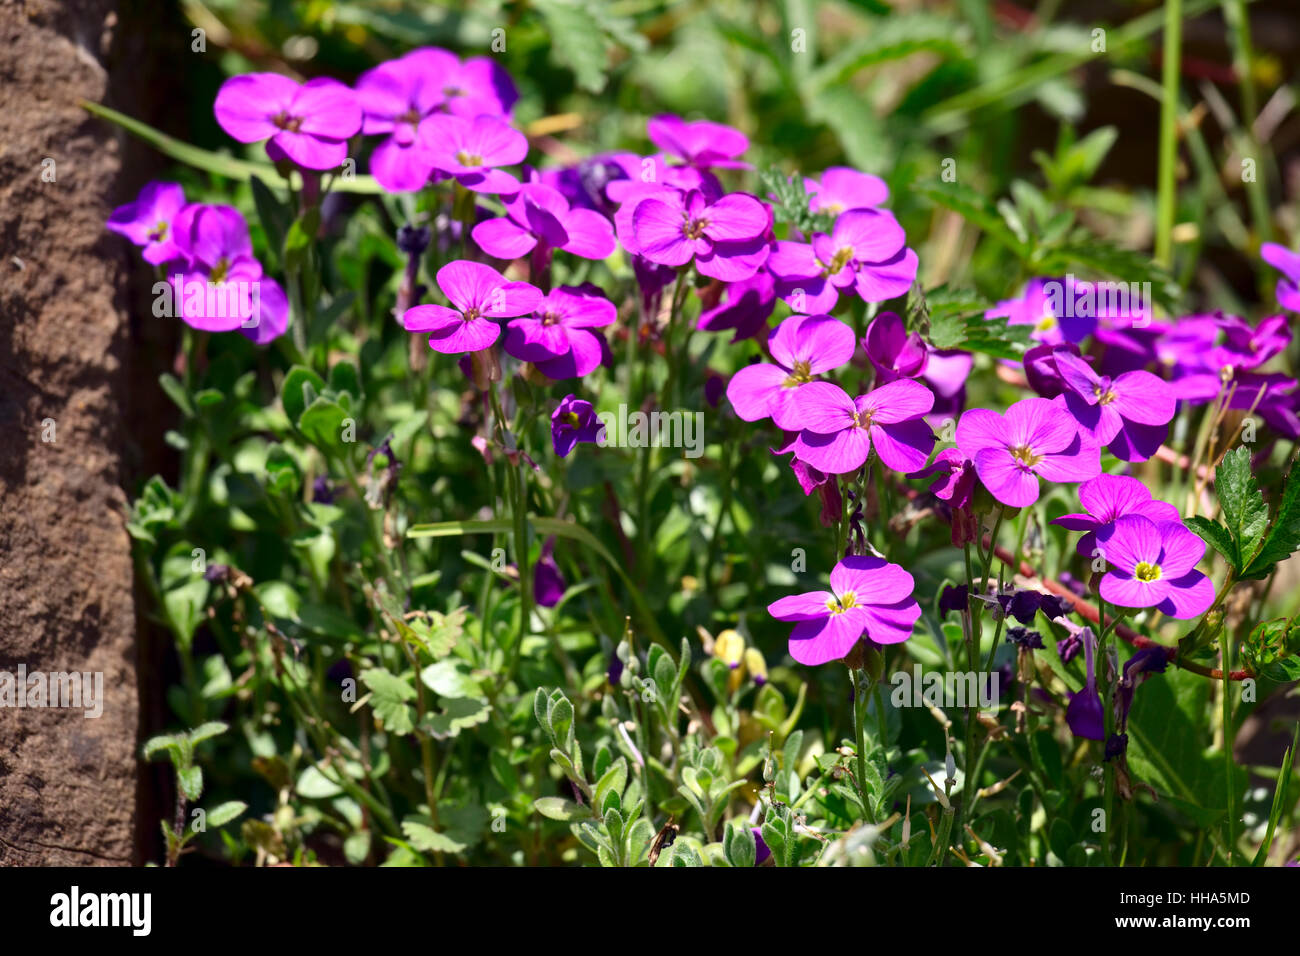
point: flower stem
(1168, 132)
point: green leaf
(1216, 536)
(451, 678)
(190, 781)
(1283, 535)
(207, 731)
(388, 696)
(739, 845)
(223, 813)
(278, 599)
(274, 215)
(1244, 512)
(423, 836)
(313, 784)
(292, 396)
(557, 808)
(582, 32)
(184, 607)
(176, 392)
(897, 37)
(1283, 671)
(458, 713)
(228, 166)
(322, 423)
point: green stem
(1168, 132)
(1225, 651)
(1107, 693)
(857, 678)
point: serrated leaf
(1244, 512)
(389, 695)
(1216, 536)
(457, 714)
(1283, 537)
(423, 836)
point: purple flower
(1024, 638)
(1148, 661)
(1084, 713)
(700, 144)
(555, 337)
(802, 346)
(762, 852)
(842, 188)
(538, 215)
(946, 373)
(397, 98)
(308, 123)
(1041, 370)
(221, 287)
(1035, 439)
(548, 584)
(868, 597)
(1288, 263)
(746, 306)
(826, 486)
(956, 478)
(479, 294)
(1153, 564)
(1069, 646)
(469, 150)
(725, 238)
(866, 250)
(1053, 323)
(892, 350)
(147, 221)
(839, 432)
(475, 87)
(955, 597)
(574, 421)
(1129, 413)
(1107, 498)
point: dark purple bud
(1116, 746)
(955, 597)
(217, 572)
(1023, 637)
(322, 492)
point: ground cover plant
(583, 465)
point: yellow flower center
(845, 601)
(841, 258)
(801, 374)
(1045, 324)
(1146, 571)
(218, 273)
(466, 158)
(1025, 455)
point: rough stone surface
(67, 783)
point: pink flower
(868, 598)
(700, 144)
(556, 338)
(1035, 439)
(865, 251)
(539, 215)
(308, 123)
(479, 294)
(839, 432)
(725, 238)
(147, 221)
(1108, 498)
(802, 346)
(1153, 564)
(843, 188)
(470, 150)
